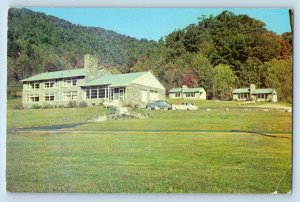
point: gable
(148, 80)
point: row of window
(246, 96)
(52, 84)
(67, 96)
(90, 93)
(100, 92)
(96, 92)
(190, 94)
(264, 96)
(178, 94)
(243, 96)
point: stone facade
(135, 93)
(92, 68)
(59, 91)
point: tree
(251, 73)
(223, 82)
(188, 78)
(278, 75)
(204, 72)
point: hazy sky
(158, 22)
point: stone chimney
(90, 64)
(184, 86)
(252, 88)
(91, 67)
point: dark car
(159, 104)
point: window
(190, 94)
(49, 97)
(96, 92)
(263, 96)
(243, 96)
(101, 92)
(177, 94)
(32, 98)
(70, 95)
(49, 84)
(70, 82)
(93, 92)
(34, 85)
(153, 95)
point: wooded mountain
(235, 47)
(39, 43)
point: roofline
(26, 79)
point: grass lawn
(270, 122)
(218, 103)
(162, 153)
(147, 162)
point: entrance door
(121, 94)
(144, 95)
(116, 94)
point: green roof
(115, 79)
(264, 91)
(241, 90)
(56, 75)
(256, 91)
(186, 90)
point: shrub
(35, 106)
(82, 104)
(72, 104)
(18, 106)
(132, 105)
(48, 106)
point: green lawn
(218, 103)
(164, 153)
(147, 162)
(45, 117)
(271, 121)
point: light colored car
(184, 106)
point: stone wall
(92, 68)
(133, 94)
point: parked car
(159, 104)
(185, 106)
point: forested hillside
(39, 43)
(223, 52)
(218, 53)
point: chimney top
(184, 86)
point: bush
(35, 106)
(82, 104)
(60, 106)
(18, 106)
(72, 104)
(48, 106)
(132, 105)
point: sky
(154, 23)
